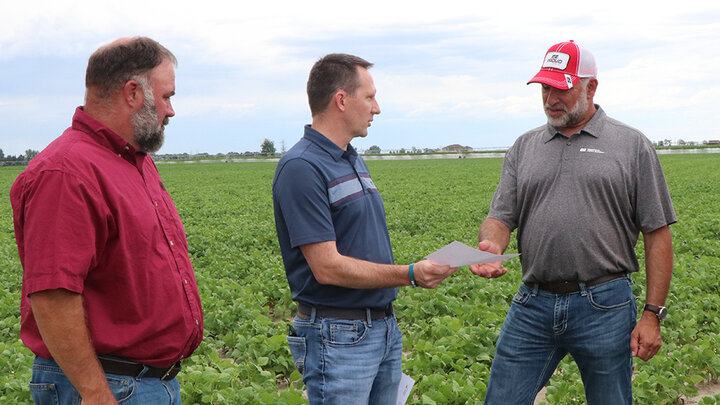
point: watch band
(659, 311)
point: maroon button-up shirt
(93, 217)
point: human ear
(133, 94)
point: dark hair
(111, 66)
(331, 73)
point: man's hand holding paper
(483, 261)
(429, 274)
(491, 269)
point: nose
(376, 107)
(550, 96)
(171, 111)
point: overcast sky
(446, 71)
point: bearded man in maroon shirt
(110, 304)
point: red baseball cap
(564, 64)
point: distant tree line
(19, 160)
(267, 149)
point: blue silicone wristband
(412, 276)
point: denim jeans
(49, 385)
(541, 328)
(348, 362)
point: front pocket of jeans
(44, 394)
(610, 296)
(522, 296)
(344, 332)
(121, 387)
(298, 349)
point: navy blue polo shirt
(323, 193)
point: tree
(373, 150)
(30, 154)
(2, 154)
(267, 148)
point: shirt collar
(592, 128)
(107, 138)
(328, 146)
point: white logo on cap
(556, 60)
(568, 80)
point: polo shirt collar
(592, 128)
(328, 146)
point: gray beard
(572, 117)
(148, 134)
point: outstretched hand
(492, 269)
(429, 274)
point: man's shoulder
(613, 124)
(624, 137)
(530, 136)
(300, 164)
(73, 154)
(535, 132)
(302, 153)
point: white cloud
(454, 59)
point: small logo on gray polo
(591, 150)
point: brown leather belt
(567, 287)
(120, 366)
(355, 314)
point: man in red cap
(579, 190)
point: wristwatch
(659, 311)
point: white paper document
(406, 384)
(458, 254)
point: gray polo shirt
(579, 203)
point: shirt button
(197, 322)
(156, 203)
(171, 243)
(568, 144)
(185, 281)
(127, 147)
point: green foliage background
(449, 332)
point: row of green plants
(449, 332)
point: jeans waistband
(355, 314)
(567, 287)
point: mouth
(555, 110)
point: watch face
(662, 313)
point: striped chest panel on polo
(349, 188)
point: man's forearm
(496, 232)
(332, 268)
(60, 317)
(658, 264)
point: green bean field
(449, 332)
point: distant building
(712, 142)
(457, 148)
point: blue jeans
(49, 385)
(348, 362)
(541, 328)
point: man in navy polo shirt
(336, 249)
